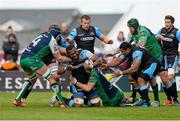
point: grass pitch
(38, 109)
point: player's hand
(110, 42)
(160, 37)
(73, 80)
(69, 67)
(103, 66)
(118, 73)
(106, 55)
(61, 70)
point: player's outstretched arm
(62, 50)
(135, 66)
(105, 39)
(96, 60)
(61, 58)
(115, 62)
(86, 87)
(56, 53)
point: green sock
(27, 92)
(25, 87)
(156, 92)
(57, 90)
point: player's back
(39, 47)
(151, 42)
(147, 57)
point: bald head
(64, 27)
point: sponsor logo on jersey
(172, 35)
(80, 35)
(87, 38)
(168, 39)
(92, 33)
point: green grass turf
(38, 109)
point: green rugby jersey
(144, 34)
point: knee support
(47, 74)
(53, 69)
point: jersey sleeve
(98, 32)
(73, 34)
(85, 54)
(53, 45)
(143, 36)
(158, 33)
(178, 35)
(137, 55)
(64, 43)
(120, 56)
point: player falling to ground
(32, 64)
(109, 94)
(169, 37)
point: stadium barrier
(13, 80)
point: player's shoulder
(60, 41)
(45, 36)
(177, 30)
(83, 51)
(137, 48)
(163, 29)
(84, 54)
(75, 29)
(143, 31)
(95, 27)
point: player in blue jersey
(84, 36)
(144, 67)
(80, 57)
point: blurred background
(30, 17)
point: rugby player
(144, 67)
(143, 37)
(32, 63)
(84, 36)
(79, 57)
(109, 94)
(169, 37)
(50, 61)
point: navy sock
(134, 92)
(170, 90)
(174, 90)
(167, 93)
(144, 93)
(156, 92)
